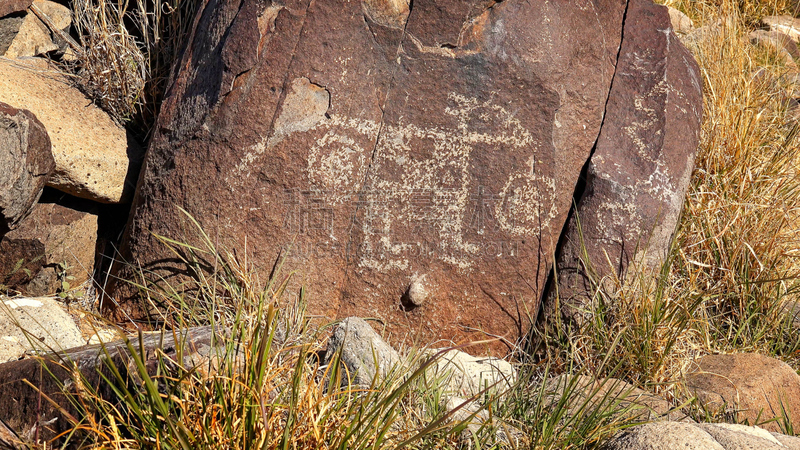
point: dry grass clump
(739, 238)
(128, 48)
(735, 260)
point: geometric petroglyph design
(435, 192)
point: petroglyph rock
(638, 175)
(371, 142)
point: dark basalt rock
(428, 152)
(637, 178)
(26, 163)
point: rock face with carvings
(636, 179)
(415, 164)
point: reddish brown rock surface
(420, 162)
(52, 245)
(637, 177)
(748, 386)
(25, 164)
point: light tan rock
(785, 24)
(790, 442)
(35, 324)
(627, 401)
(663, 436)
(712, 436)
(752, 387)
(734, 436)
(465, 375)
(681, 23)
(95, 158)
(34, 37)
(780, 43)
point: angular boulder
(750, 387)
(364, 355)
(635, 182)
(95, 158)
(26, 163)
(403, 151)
(52, 246)
(466, 376)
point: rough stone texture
(790, 442)
(785, 24)
(639, 172)
(734, 436)
(26, 163)
(681, 23)
(468, 375)
(20, 406)
(363, 352)
(446, 146)
(52, 235)
(95, 158)
(13, 6)
(9, 28)
(33, 37)
(720, 436)
(747, 385)
(35, 324)
(629, 402)
(781, 43)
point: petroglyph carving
(437, 191)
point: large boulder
(413, 162)
(95, 158)
(51, 250)
(637, 177)
(25, 164)
(747, 386)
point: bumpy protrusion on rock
(389, 13)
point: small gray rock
(35, 324)
(364, 352)
(663, 436)
(741, 437)
(466, 375)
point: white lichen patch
(23, 303)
